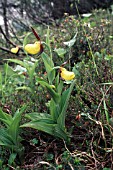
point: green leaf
(54, 110)
(49, 65)
(64, 98)
(34, 141)
(1, 85)
(61, 133)
(49, 46)
(51, 76)
(54, 95)
(60, 87)
(5, 138)
(25, 88)
(60, 52)
(47, 61)
(105, 107)
(8, 70)
(12, 158)
(54, 113)
(7, 141)
(25, 41)
(47, 121)
(72, 41)
(109, 83)
(43, 125)
(75, 70)
(14, 127)
(18, 62)
(5, 118)
(28, 65)
(108, 57)
(106, 111)
(57, 81)
(64, 104)
(37, 116)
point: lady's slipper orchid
(15, 50)
(33, 48)
(66, 75)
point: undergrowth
(89, 118)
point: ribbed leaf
(18, 62)
(54, 110)
(14, 127)
(41, 125)
(49, 67)
(52, 129)
(60, 87)
(58, 84)
(37, 116)
(5, 118)
(47, 60)
(12, 158)
(7, 141)
(54, 95)
(5, 138)
(60, 133)
(65, 99)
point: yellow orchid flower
(14, 50)
(66, 75)
(33, 48)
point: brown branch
(11, 28)
(6, 49)
(7, 39)
(93, 154)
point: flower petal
(14, 50)
(66, 75)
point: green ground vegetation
(50, 123)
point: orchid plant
(10, 132)
(52, 122)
